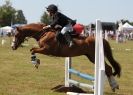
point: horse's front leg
(36, 50)
(34, 59)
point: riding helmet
(52, 8)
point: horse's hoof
(117, 87)
(31, 49)
(114, 88)
(37, 64)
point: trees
(6, 13)
(19, 17)
(45, 18)
(9, 15)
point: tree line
(9, 16)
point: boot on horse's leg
(69, 39)
(34, 60)
(113, 83)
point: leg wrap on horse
(34, 60)
(113, 83)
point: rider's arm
(56, 19)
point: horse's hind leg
(111, 79)
(108, 71)
(116, 66)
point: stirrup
(71, 44)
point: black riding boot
(60, 38)
(69, 39)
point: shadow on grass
(63, 89)
(113, 93)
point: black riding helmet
(52, 8)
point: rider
(60, 19)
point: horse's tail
(113, 62)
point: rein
(39, 34)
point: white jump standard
(99, 68)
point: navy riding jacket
(61, 19)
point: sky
(84, 11)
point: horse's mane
(38, 27)
(34, 25)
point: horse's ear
(18, 28)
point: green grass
(19, 77)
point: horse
(48, 45)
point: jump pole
(68, 64)
(99, 60)
(99, 66)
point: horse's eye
(16, 35)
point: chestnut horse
(48, 45)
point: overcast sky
(85, 11)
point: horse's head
(18, 38)
(29, 30)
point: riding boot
(69, 39)
(59, 37)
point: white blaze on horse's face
(13, 42)
(17, 40)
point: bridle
(41, 33)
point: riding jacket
(60, 19)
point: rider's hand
(46, 27)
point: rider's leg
(65, 31)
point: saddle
(67, 37)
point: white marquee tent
(5, 30)
(127, 27)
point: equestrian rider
(60, 19)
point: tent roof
(6, 29)
(127, 26)
(16, 25)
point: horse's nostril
(12, 44)
(13, 48)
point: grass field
(19, 77)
